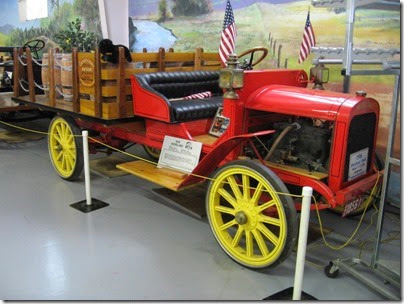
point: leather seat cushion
(186, 110)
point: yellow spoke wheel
(254, 224)
(65, 149)
(154, 153)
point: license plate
(353, 205)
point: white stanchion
(86, 167)
(302, 243)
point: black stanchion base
(83, 207)
(287, 294)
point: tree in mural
(89, 13)
(163, 10)
(191, 7)
(18, 37)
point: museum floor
(143, 246)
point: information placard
(357, 163)
(180, 154)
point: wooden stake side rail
(101, 89)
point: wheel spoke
(269, 220)
(257, 194)
(63, 161)
(57, 138)
(261, 243)
(228, 197)
(223, 209)
(234, 186)
(228, 225)
(59, 155)
(249, 243)
(68, 164)
(238, 236)
(246, 187)
(268, 234)
(70, 161)
(266, 205)
(59, 131)
(70, 150)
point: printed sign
(180, 154)
(357, 163)
(86, 72)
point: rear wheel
(154, 153)
(252, 222)
(65, 149)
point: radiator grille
(361, 136)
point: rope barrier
(66, 96)
(348, 242)
(23, 63)
(38, 63)
(21, 85)
(64, 68)
(41, 88)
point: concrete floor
(141, 247)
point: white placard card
(180, 154)
(357, 163)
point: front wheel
(65, 148)
(250, 214)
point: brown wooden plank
(76, 101)
(183, 69)
(97, 84)
(174, 57)
(210, 56)
(112, 91)
(197, 59)
(145, 57)
(112, 74)
(30, 72)
(300, 171)
(161, 61)
(51, 70)
(16, 72)
(206, 139)
(167, 178)
(210, 68)
(121, 84)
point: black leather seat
(171, 85)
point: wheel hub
(247, 215)
(241, 218)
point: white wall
(117, 15)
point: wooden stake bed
(167, 178)
(7, 105)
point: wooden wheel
(254, 224)
(65, 148)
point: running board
(167, 178)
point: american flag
(228, 38)
(308, 40)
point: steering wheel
(35, 46)
(248, 65)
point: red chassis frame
(280, 91)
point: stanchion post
(302, 242)
(89, 204)
(86, 167)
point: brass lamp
(320, 74)
(231, 77)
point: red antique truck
(280, 136)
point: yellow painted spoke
(249, 243)
(261, 243)
(223, 209)
(234, 186)
(266, 205)
(269, 220)
(59, 155)
(268, 234)
(228, 225)
(228, 197)
(70, 162)
(57, 138)
(257, 194)
(246, 187)
(237, 237)
(70, 151)
(59, 131)
(63, 161)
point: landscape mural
(187, 24)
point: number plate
(353, 205)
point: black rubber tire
(79, 164)
(154, 155)
(287, 203)
(328, 273)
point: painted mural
(61, 13)
(187, 24)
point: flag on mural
(308, 41)
(229, 33)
